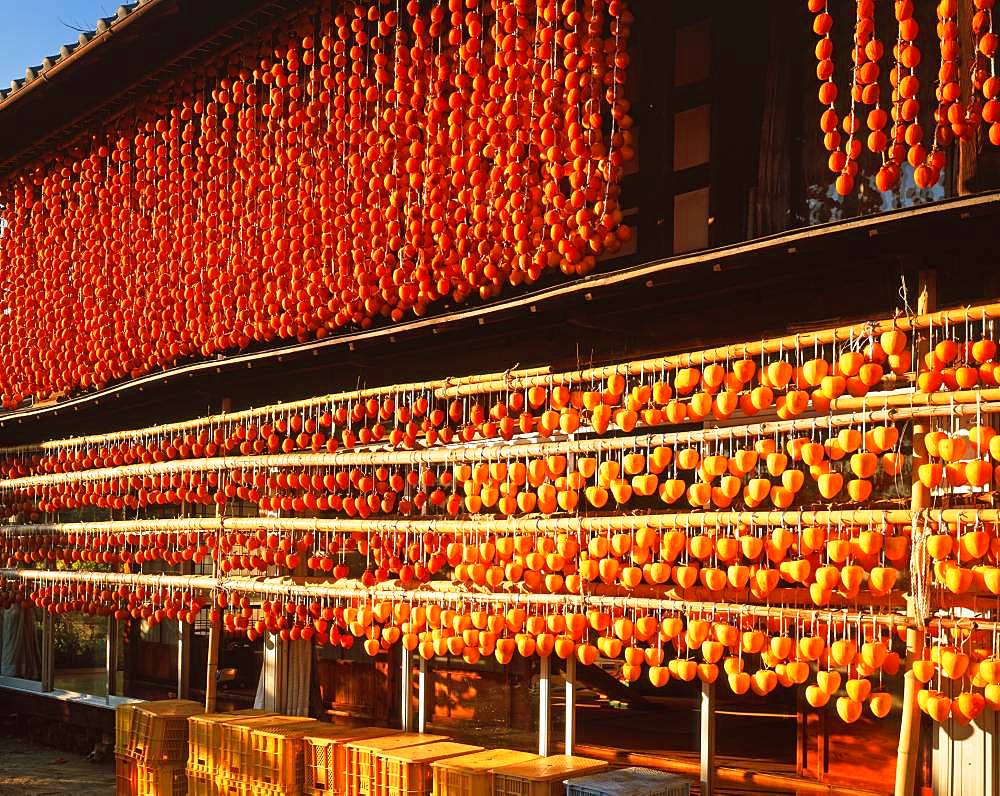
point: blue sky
(32, 29)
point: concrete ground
(32, 770)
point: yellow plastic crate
(124, 721)
(407, 771)
(472, 775)
(200, 784)
(276, 754)
(160, 731)
(134, 779)
(361, 771)
(234, 760)
(205, 738)
(542, 777)
(325, 756)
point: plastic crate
(200, 784)
(160, 780)
(629, 782)
(160, 731)
(544, 776)
(361, 769)
(325, 755)
(126, 782)
(234, 758)
(134, 779)
(407, 771)
(472, 775)
(205, 738)
(276, 754)
(124, 721)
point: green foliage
(79, 643)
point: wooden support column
(214, 628)
(406, 680)
(184, 647)
(544, 706)
(214, 634)
(707, 738)
(48, 652)
(422, 684)
(111, 657)
(920, 498)
(570, 741)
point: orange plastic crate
(407, 771)
(205, 738)
(325, 756)
(472, 775)
(361, 770)
(542, 777)
(276, 754)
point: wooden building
(732, 233)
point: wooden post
(707, 738)
(406, 678)
(111, 657)
(422, 684)
(570, 704)
(920, 498)
(184, 647)
(48, 652)
(544, 706)
(214, 633)
(214, 628)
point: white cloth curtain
(285, 677)
(20, 655)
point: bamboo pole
(541, 376)
(526, 524)
(493, 452)
(728, 353)
(611, 599)
(271, 410)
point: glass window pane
(691, 221)
(693, 53)
(80, 642)
(484, 702)
(692, 137)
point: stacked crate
(277, 757)
(472, 775)
(204, 765)
(361, 770)
(238, 767)
(325, 759)
(544, 776)
(151, 746)
(407, 771)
